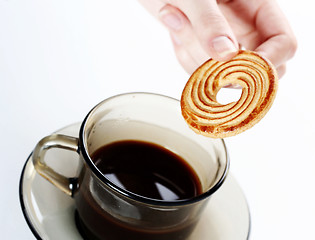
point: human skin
(203, 29)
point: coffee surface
(145, 169)
(148, 170)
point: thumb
(212, 29)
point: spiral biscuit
(206, 116)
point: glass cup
(106, 210)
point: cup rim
(135, 196)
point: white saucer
(50, 213)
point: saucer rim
(39, 237)
(37, 234)
(24, 210)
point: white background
(59, 58)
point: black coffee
(148, 170)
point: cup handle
(65, 184)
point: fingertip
(170, 19)
(173, 18)
(223, 48)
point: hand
(203, 29)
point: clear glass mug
(107, 211)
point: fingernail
(171, 20)
(224, 47)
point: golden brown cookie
(206, 116)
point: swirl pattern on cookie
(206, 116)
